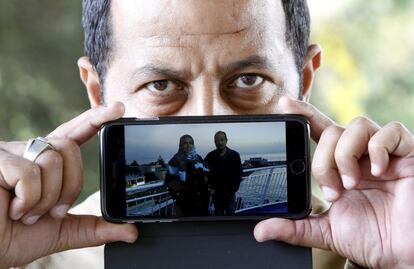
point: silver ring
(35, 147)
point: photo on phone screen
(205, 169)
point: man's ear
(311, 64)
(90, 79)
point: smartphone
(205, 168)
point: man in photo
(225, 174)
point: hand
(367, 172)
(34, 197)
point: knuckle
(71, 148)
(396, 126)
(332, 130)
(374, 144)
(21, 169)
(319, 171)
(360, 121)
(342, 157)
(31, 171)
(53, 159)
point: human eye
(251, 91)
(247, 81)
(161, 97)
(159, 86)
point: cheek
(114, 92)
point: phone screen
(205, 169)
(181, 168)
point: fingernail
(375, 169)
(60, 211)
(129, 240)
(259, 234)
(31, 220)
(348, 182)
(329, 193)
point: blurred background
(367, 67)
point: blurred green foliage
(367, 62)
(40, 42)
(367, 67)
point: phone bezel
(298, 185)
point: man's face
(196, 57)
(220, 141)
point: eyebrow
(251, 61)
(151, 69)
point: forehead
(202, 43)
(219, 135)
(190, 23)
(187, 139)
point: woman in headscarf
(186, 179)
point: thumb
(78, 231)
(310, 232)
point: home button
(297, 167)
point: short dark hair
(220, 132)
(297, 33)
(98, 33)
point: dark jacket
(225, 171)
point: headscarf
(178, 163)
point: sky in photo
(145, 143)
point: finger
(399, 167)
(51, 168)
(79, 129)
(310, 232)
(16, 148)
(72, 175)
(392, 139)
(318, 121)
(72, 171)
(350, 148)
(4, 205)
(324, 166)
(88, 231)
(86, 125)
(4, 208)
(23, 177)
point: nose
(205, 99)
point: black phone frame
(111, 146)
